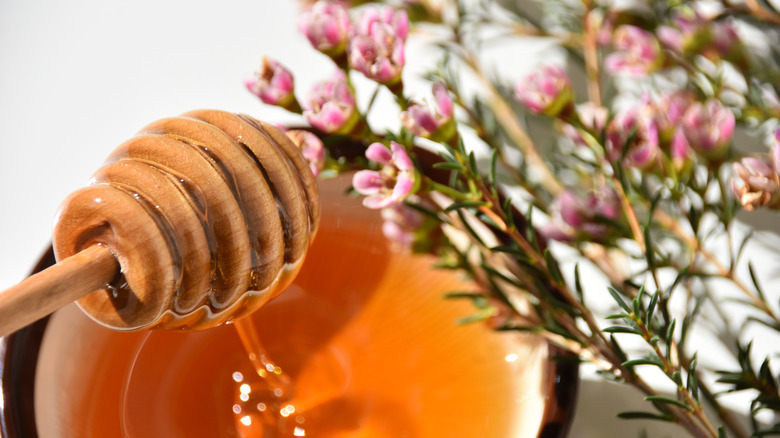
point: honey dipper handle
(52, 288)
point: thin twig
(514, 129)
(762, 12)
(590, 52)
(728, 274)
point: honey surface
(370, 345)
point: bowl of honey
(362, 344)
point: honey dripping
(264, 400)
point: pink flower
(397, 20)
(432, 122)
(726, 38)
(667, 116)
(555, 231)
(392, 183)
(545, 91)
(637, 52)
(689, 33)
(326, 25)
(377, 48)
(401, 222)
(331, 106)
(586, 216)
(770, 98)
(592, 117)
(708, 127)
(311, 148)
(633, 135)
(680, 152)
(273, 84)
(756, 182)
(603, 22)
(668, 112)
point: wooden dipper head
(209, 215)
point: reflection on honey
(364, 335)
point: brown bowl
(363, 331)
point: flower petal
(368, 182)
(403, 186)
(377, 201)
(379, 153)
(400, 157)
(443, 100)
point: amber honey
(369, 346)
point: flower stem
(590, 53)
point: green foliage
(671, 213)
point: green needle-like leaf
(492, 171)
(639, 415)
(465, 204)
(578, 284)
(622, 329)
(693, 384)
(754, 279)
(669, 401)
(552, 265)
(449, 165)
(649, 361)
(651, 307)
(618, 299)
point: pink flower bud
(554, 231)
(326, 25)
(429, 122)
(633, 135)
(776, 152)
(756, 182)
(637, 52)
(668, 112)
(680, 152)
(420, 120)
(571, 209)
(331, 106)
(545, 91)
(392, 183)
(273, 84)
(604, 24)
(311, 148)
(592, 117)
(377, 48)
(586, 216)
(689, 33)
(770, 98)
(726, 38)
(708, 127)
(397, 20)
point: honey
(361, 345)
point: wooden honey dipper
(197, 220)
